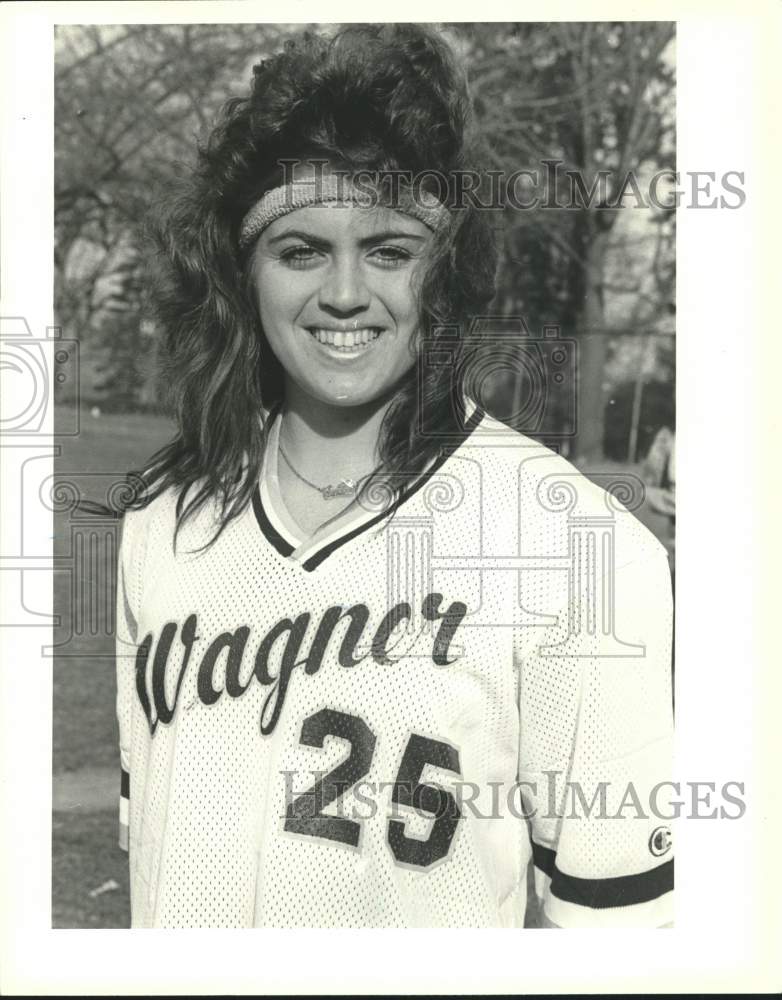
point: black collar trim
(283, 547)
(312, 562)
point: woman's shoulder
(150, 513)
(149, 527)
(155, 520)
(497, 444)
(550, 490)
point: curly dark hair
(373, 97)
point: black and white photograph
(344, 435)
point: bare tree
(130, 103)
(591, 105)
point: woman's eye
(391, 256)
(299, 256)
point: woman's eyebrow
(391, 234)
(297, 234)
(386, 234)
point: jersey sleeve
(126, 639)
(595, 750)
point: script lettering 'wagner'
(282, 647)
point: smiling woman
(341, 142)
(343, 328)
(341, 651)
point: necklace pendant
(345, 488)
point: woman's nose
(343, 289)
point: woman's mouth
(346, 341)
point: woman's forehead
(347, 221)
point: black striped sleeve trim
(124, 807)
(603, 893)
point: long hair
(374, 97)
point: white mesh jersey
(383, 725)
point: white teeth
(346, 340)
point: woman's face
(337, 299)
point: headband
(333, 190)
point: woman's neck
(330, 442)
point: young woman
(375, 650)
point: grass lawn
(84, 728)
(86, 858)
(85, 854)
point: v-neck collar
(282, 532)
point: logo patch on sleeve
(660, 841)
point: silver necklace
(344, 488)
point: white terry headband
(333, 189)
